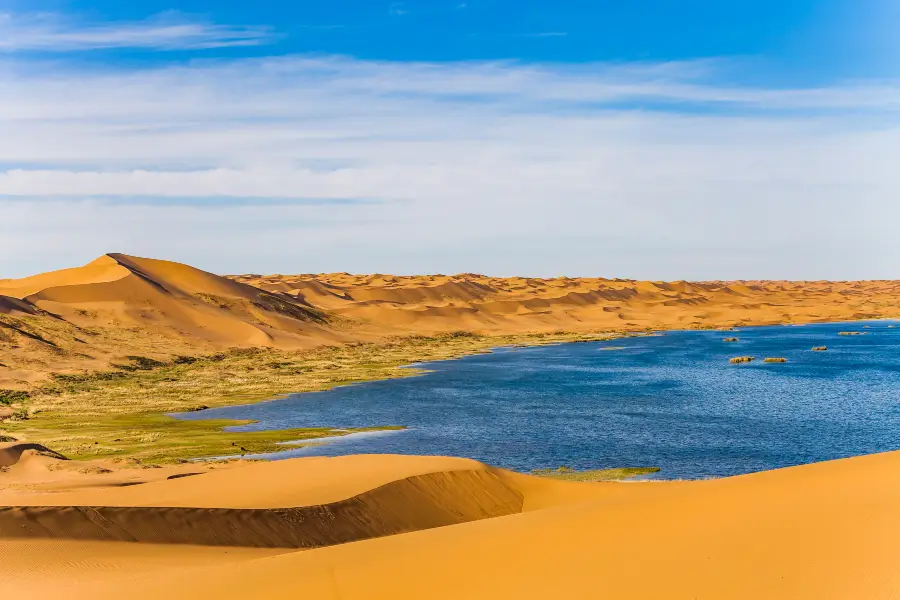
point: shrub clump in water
(775, 360)
(742, 359)
(820, 349)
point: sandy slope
(118, 306)
(90, 317)
(824, 531)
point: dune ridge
(516, 304)
(11, 453)
(92, 317)
(415, 503)
(87, 318)
(823, 531)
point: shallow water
(671, 401)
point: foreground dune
(430, 527)
(118, 306)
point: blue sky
(653, 139)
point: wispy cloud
(547, 34)
(654, 170)
(57, 33)
(398, 9)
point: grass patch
(156, 438)
(567, 474)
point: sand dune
(287, 504)
(511, 305)
(119, 306)
(369, 527)
(824, 531)
(91, 317)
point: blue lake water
(671, 401)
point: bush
(8, 397)
(143, 363)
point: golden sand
(442, 528)
(392, 527)
(90, 317)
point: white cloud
(644, 170)
(51, 32)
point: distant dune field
(86, 318)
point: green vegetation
(123, 413)
(775, 360)
(742, 359)
(567, 474)
(9, 397)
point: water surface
(671, 401)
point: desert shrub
(144, 363)
(185, 360)
(8, 397)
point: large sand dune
(90, 317)
(452, 528)
(119, 306)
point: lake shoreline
(673, 339)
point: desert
(101, 494)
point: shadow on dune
(411, 504)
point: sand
(371, 527)
(434, 527)
(89, 318)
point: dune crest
(119, 305)
(95, 316)
(446, 528)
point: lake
(671, 401)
